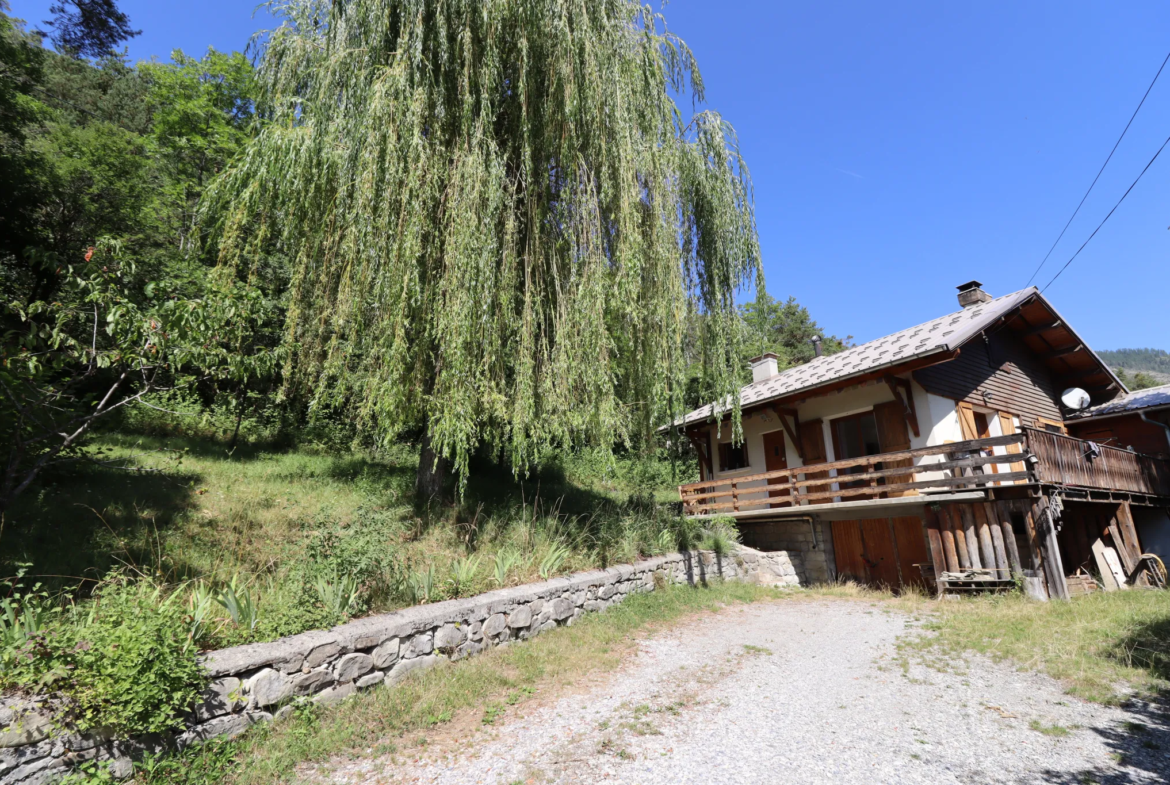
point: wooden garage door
(880, 552)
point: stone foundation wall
(260, 682)
(812, 547)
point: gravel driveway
(797, 691)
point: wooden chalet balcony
(1033, 457)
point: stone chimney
(764, 367)
(971, 294)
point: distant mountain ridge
(1156, 360)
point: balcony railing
(1030, 457)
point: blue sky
(899, 149)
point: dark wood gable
(1002, 374)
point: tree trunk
(432, 474)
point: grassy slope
(213, 514)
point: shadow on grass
(76, 524)
(1140, 746)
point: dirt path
(799, 691)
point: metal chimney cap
(963, 287)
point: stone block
(605, 592)
(449, 637)
(521, 617)
(322, 654)
(230, 726)
(334, 695)
(28, 725)
(536, 606)
(406, 667)
(311, 682)
(592, 606)
(562, 608)
(419, 645)
(386, 654)
(494, 625)
(222, 696)
(351, 666)
(370, 679)
(269, 687)
(475, 631)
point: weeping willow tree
(498, 218)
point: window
(1052, 426)
(732, 457)
(855, 436)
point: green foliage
(88, 28)
(720, 535)
(421, 585)
(122, 661)
(339, 594)
(553, 560)
(1138, 381)
(786, 329)
(505, 560)
(24, 612)
(68, 362)
(463, 573)
(497, 232)
(240, 605)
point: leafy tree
(88, 28)
(787, 329)
(1139, 381)
(72, 362)
(497, 218)
(201, 112)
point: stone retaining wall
(261, 681)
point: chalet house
(945, 455)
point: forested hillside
(1139, 368)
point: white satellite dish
(1075, 398)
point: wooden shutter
(812, 441)
(1007, 426)
(967, 421)
(893, 436)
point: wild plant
(239, 603)
(199, 606)
(24, 613)
(505, 561)
(553, 560)
(463, 572)
(339, 593)
(421, 585)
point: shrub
(125, 663)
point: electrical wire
(1099, 171)
(1106, 218)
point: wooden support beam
(934, 537)
(911, 410)
(963, 514)
(962, 547)
(1042, 514)
(1004, 524)
(793, 432)
(1058, 353)
(1043, 328)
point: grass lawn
(385, 720)
(1103, 647)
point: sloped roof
(943, 334)
(1139, 399)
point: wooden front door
(775, 458)
(812, 441)
(881, 552)
(894, 436)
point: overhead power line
(1106, 218)
(1099, 171)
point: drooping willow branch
(497, 216)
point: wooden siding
(1016, 379)
(1125, 431)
